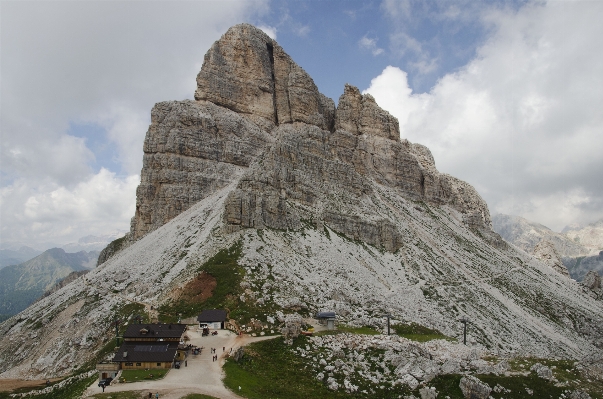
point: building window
(138, 364)
(129, 364)
(159, 364)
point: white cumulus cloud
(522, 121)
(56, 214)
(369, 44)
(79, 80)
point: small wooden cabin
(326, 318)
(212, 318)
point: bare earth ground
(201, 375)
(11, 385)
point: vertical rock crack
(271, 56)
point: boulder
(409, 380)
(451, 366)
(428, 393)
(542, 371)
(473, 388)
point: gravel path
(202, 375)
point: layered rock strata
(248, 72)
(323, 177)
(191, 149)
(255, 108)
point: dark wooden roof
(146, 352)
(212, 315)
(154, 331)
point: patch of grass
(419, 333)
(130, 310)
(366, 330)
(197, 396)
(326, 332)
(564, 371)
(518, 384)
(269, 370)
(448, 385)
(142, 375)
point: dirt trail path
(201, 375)
(12, 384)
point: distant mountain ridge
(578, 246)
(22, 284)
(14, 257)
(16, 252)
(590, 236)
(526, 234)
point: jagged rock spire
(248, 72)
(360, 114)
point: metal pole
(388, 315)
(465, 332)
(387, 324)
(464, 320)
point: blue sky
(506, 94)
(327, 36)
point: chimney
(125, 354)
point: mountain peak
(248, 72)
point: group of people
(214, 357)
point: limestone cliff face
(248, 72)
(360, 114)
(259, 115)
(335, 178)
(191, 149)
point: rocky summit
(324, 208)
